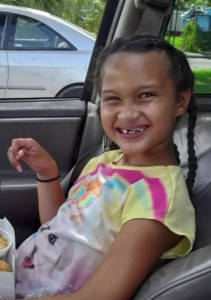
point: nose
(128, 112)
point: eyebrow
(143, 87)
(108, 91)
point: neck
(151, 158)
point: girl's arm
(50, 194)
(135, 251)
(131, 257)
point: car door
(3, 57)
(41, 62)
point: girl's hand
(36, 157)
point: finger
(15, 147)
(14, 162)
(21, 143)
(27, 157)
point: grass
(175, 41)
(202, 81)
(202, 77)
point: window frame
(2, 42)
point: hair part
(180, 73)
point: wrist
(48, 180)
(50, 172)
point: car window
(30, 34)
(2, 25)
(190, 31)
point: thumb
(25, 156)
(20, 154)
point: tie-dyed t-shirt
(62, 255)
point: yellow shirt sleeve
(168, 203)
(180, 217)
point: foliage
(189, 37)
(174, 40)
(84, 13)
(202, 81)
(194, 39)
(187, 4)
(53, 6)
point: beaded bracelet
(48, 180)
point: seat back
(189, 277)
(202, 187)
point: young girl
(129, 207)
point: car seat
(189, 277)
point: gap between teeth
(125, 131)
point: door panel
(58, 130)
(57, 135)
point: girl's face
(139, 106)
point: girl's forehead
(153, 61)
(147, 65)
(127, 73)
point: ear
(183, 102)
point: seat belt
(155, 16)
(75, 172)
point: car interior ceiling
(64, 120)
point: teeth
(124, 131)
(132, 131)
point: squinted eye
(110, 98)
(52, 238)
(146, 95)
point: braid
(176, 152)
(192, 160)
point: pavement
(198, 54)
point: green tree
(84, 13)
(53, 6)
(187, 4)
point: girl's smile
(132, 132)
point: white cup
(5, 234)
